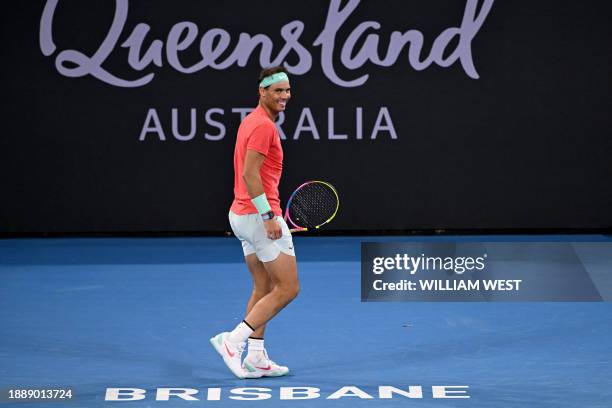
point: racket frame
(287, 217)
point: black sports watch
(268, 216)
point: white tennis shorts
(249, 229)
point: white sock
(240, 333)
(256, 349)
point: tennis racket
(312, 205)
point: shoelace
(239, 347)
(240, 350)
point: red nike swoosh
(269, 367)
(228, 352)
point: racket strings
(313, 205)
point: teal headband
(272, 79)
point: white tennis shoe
(264, 367)
(231, 353)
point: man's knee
(289, 291)
(295, 290)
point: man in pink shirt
(256, 219)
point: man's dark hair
(269, 71)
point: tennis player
(255, 218)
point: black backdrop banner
(120, 116)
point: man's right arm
(252, 179)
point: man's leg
(285, 287)
(262, 285)
(257, 363)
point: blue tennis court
(99, 313)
